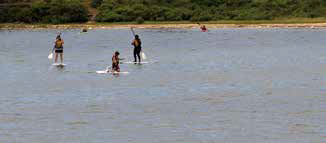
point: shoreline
(10, 26)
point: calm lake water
(223, 86)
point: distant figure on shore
(58, 48)
(137, 48)
(84, 30)
(115, 62)
(203, 28)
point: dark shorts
(59, 51)
(115, 67)
(137, 50)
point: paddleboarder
(203, 28)
(116, 62)
(58, 48)
(137, 48)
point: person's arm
(55, 44)
(133, 42)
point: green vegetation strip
(151, 11)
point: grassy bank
(286, 23)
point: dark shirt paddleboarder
(137, 48)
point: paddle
(50, 57)
(133, 32)
(51, 54)
(142, 54)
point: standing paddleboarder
(58, 49)
(137, 48)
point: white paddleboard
(134, 62)
(58, 64)
(110, 72)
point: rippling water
(224, 86)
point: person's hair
(117, 53)
(136, 36)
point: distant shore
(301, 23)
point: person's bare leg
(55, 57)
(61, 57)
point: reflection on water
(60, 68)
(227, 85)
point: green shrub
(200, 15)
(25, 15)
(96, 3)
(108, 16)
(40, 11)
(4, 15)
(140, 20)
(62, 11)
(173, 15)
(57, 11)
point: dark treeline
(63, 11)
(51, 11)
(206, 10)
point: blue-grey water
(223, 86)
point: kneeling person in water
(203, 28)
(58, 49)
(137, 48)
(116, 62)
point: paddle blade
(50, 56)
(143, 56)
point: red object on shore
(203, 28)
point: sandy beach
(156, 26)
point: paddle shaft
(133, 32)
(51, 52)
(52, 49)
